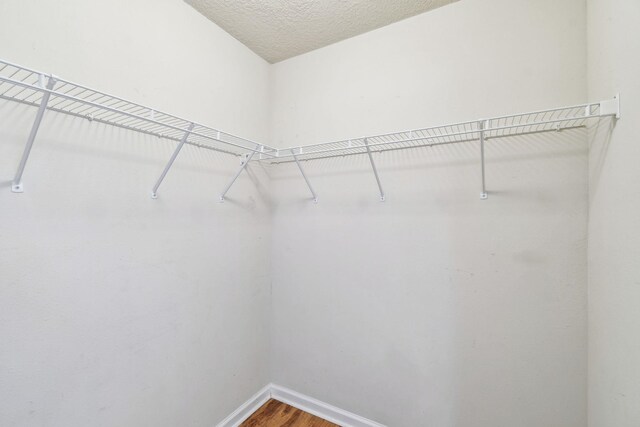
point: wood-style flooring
(278, 414)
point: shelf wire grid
(552, 120)
(28, 86)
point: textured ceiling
(281, 29)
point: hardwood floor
(278, 414)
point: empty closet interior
(298, 213)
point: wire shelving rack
(556, 119)
(49, 92)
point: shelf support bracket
(313, 193)
(243, 166)
(481, 127)
(154, 192)
(610, 107)
(16, 185)
(375, 170)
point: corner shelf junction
(49, 92)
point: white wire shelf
(50, 93)
(552, 120)
(28, 86)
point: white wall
(433, 307)
(115, 309)
(614, 222)
(437, 308)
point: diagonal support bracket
(16, 185)
(375, 170)
(482, 125)
(245, 162)
(154, 192)
(304, 175)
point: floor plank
(278, 414)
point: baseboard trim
(247, 408)
(297, 400)
(320, 409)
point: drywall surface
(115, 309)
(614, 222)
(435, 308)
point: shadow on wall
(599, 139)
(459, 165)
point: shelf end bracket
(611, 107)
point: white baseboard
(297, 400)
(323, 410)
(247, 408)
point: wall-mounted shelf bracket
(375, 170)
(481, 126)
(16, 185)
(154, 192)
(304, 175)
(243, 166)
(610, 107)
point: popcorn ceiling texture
(280, 29)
